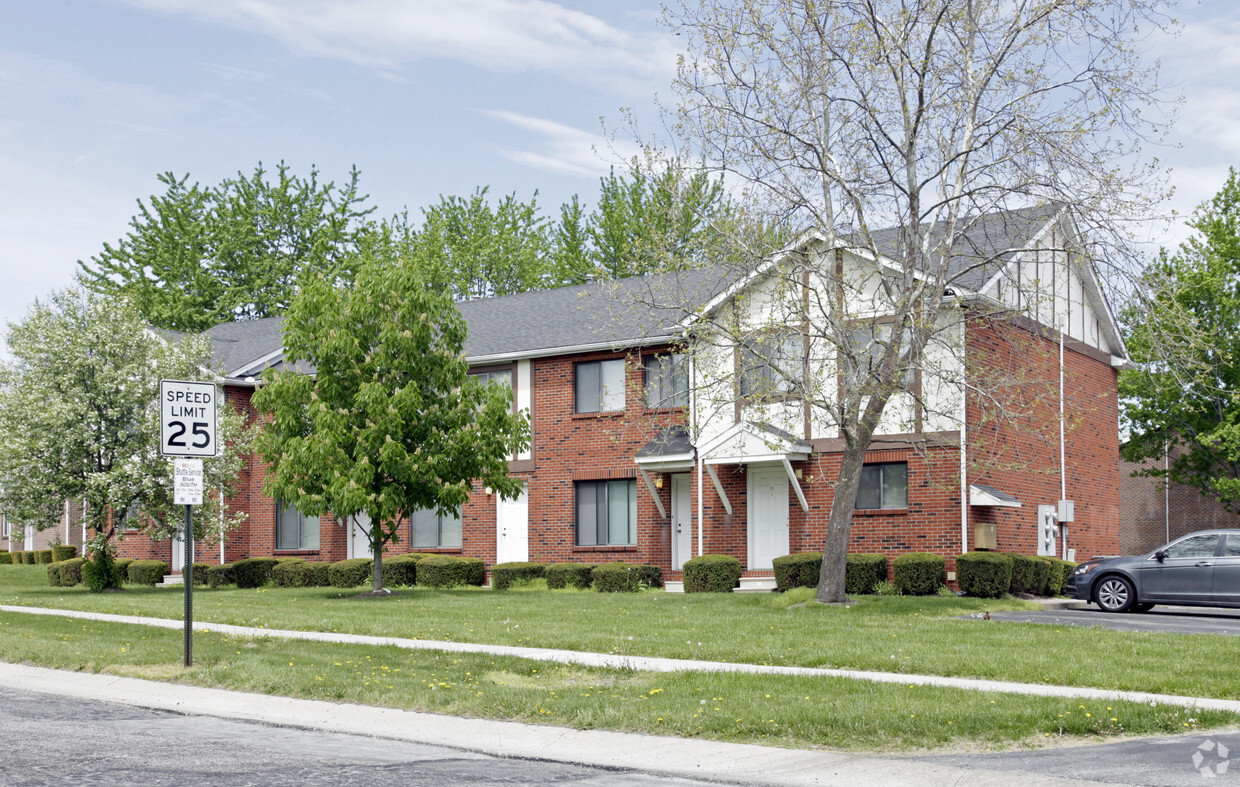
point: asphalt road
(1174, 620)
(53, 740)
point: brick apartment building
(647, 447)
(1153, 512)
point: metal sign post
(187, 429)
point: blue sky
(426, 98)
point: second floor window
(434, 530)
(772, 365)
(295, 530)
(599, 386)
(870, 341)
(667, 380)
(501, 377)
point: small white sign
(187, 482)
(186, 418)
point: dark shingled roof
(995, 493)
(990, 241)
(670, 441)
(240, 343)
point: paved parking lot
(1176, 620)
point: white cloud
(564, 149)
(500, 35)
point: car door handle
(1203, 563)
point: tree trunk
(376, 573)
(839, 526)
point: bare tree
(956, 125)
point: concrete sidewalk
(687, 757)
(655, 664)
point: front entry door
(767, 515)
(512, 525)
(682, 521)
(178, 550)
(359, 538)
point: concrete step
(172, 580)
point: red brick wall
(1151, 514)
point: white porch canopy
(748, 443)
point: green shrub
(349, 573)
(147, 572)
(53, 575)
(568, 575)
(1057, 575)
(122, 567)
(919, 573)
(70, 571)
(863, 571)
(317, 575)
(885, 588)
(254, 572)
(28, 557)
(984, 574)
(799, 570)
(43, 556)
(200, 573)
(1028, 574)
(712, 574)
(291, 574)
(6, 558)
(401, 570)
(102, 571)
(504, 574)
(62, 552)
(446, 571)
(625, 577)
(220, 575)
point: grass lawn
(772, 710)
(888, 634)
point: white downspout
(1063, 464)
(964, 472)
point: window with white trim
(599, 386)
(295, 530)
(772, 364)
(435, 530)
(667, 380)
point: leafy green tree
(79, 419)
(478, 250)
(391, 422)
(196, 256)
(1185, 337)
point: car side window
(1197, 546)
(1232, 549)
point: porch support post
(796, 484)
(714, 477)
(658, 501)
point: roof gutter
(648, 341)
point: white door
(359, 538)
(512, 525)
(768, 516)
(682, 521)
(178, 550)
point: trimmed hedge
(1029, 574)
(919, 573)
(503, 575)
(147, 572)
(27, 557)
(568, 575)
(624, 577)
(402, 570)
(446, 571)
(63, 552)
(220, 575)
(200, 573)
(1058, 575)
(6, 558)
(984, 574)
(254, 572)
(349, 573)
(43, 556)
(712, 574)
(291, 574)
(863, 571)
(122, 567)
(799, 570)
(317, 575)
(66, 573)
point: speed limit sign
(186, 418)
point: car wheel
(1115, 594)
(1143, 607)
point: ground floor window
(883, 486)
(431, 529)
(606, 513)
(295, 530)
